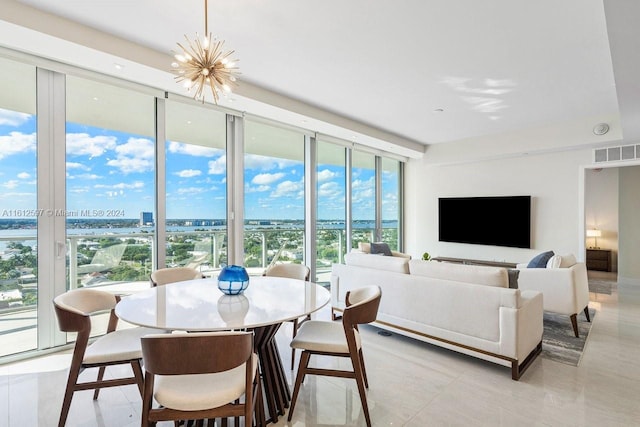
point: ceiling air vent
(616, 154)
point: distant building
(146, 218)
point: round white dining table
(198, 305)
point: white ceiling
(492, 66)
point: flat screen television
(493, 221)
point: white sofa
(564, 286)
(465, 308)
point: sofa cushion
(540, 261)
(568, 261)
(388, 263)
(364, 247)
(380, 248)
(473, 274)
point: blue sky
(110, 170)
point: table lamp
(595, 233)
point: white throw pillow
(568, 261)
(364, 247)
(554, 261)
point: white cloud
(188, 173)
(191, 190)
(15, 196)
(24, 175)
(257, 189)
(359, 184)
(218, 166)
(11, 184)
(326, 175)
(79, 190)
(329, 190)
(254, 161)
(75, 165)
(122, 185)
(288, 188)
(193, 150)
(134, 156)
(83, 144)
(364, 195)
(267, 178)
(131, 165)
(89, 176)
(141, 148)
(13, 118)
(16, 143)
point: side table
(599, 259)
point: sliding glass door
(18, 208)
(273, 195)
(196, 197)
(110, 169)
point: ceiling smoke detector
(601, 129)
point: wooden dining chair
(164, 276)
(291, 271)
(117, 347)
(202, 375)
(338, 339)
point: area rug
(558, 341)
(602, 286)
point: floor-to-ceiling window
(273, 195)
(390, 203)
(18, 208)
(105, 133)
(110, 169)
(196, 198)
(331, 213)
(363, 197)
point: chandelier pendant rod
(206, 16)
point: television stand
(476, 262)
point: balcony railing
(126, 259)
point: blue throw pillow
(380, 248)
(540, 261)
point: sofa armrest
(530, 322)
(562, 288)
(521, 326)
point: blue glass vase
(233, 279)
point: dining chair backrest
(201, 375)
(361, 306)
(291, 271)
(74, 308)
(196, 353)
(164, 276)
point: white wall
(601, 209)
(629, 240)
(552, 179)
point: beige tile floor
(411, 384)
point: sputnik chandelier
(205, 63)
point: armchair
(565, 290)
